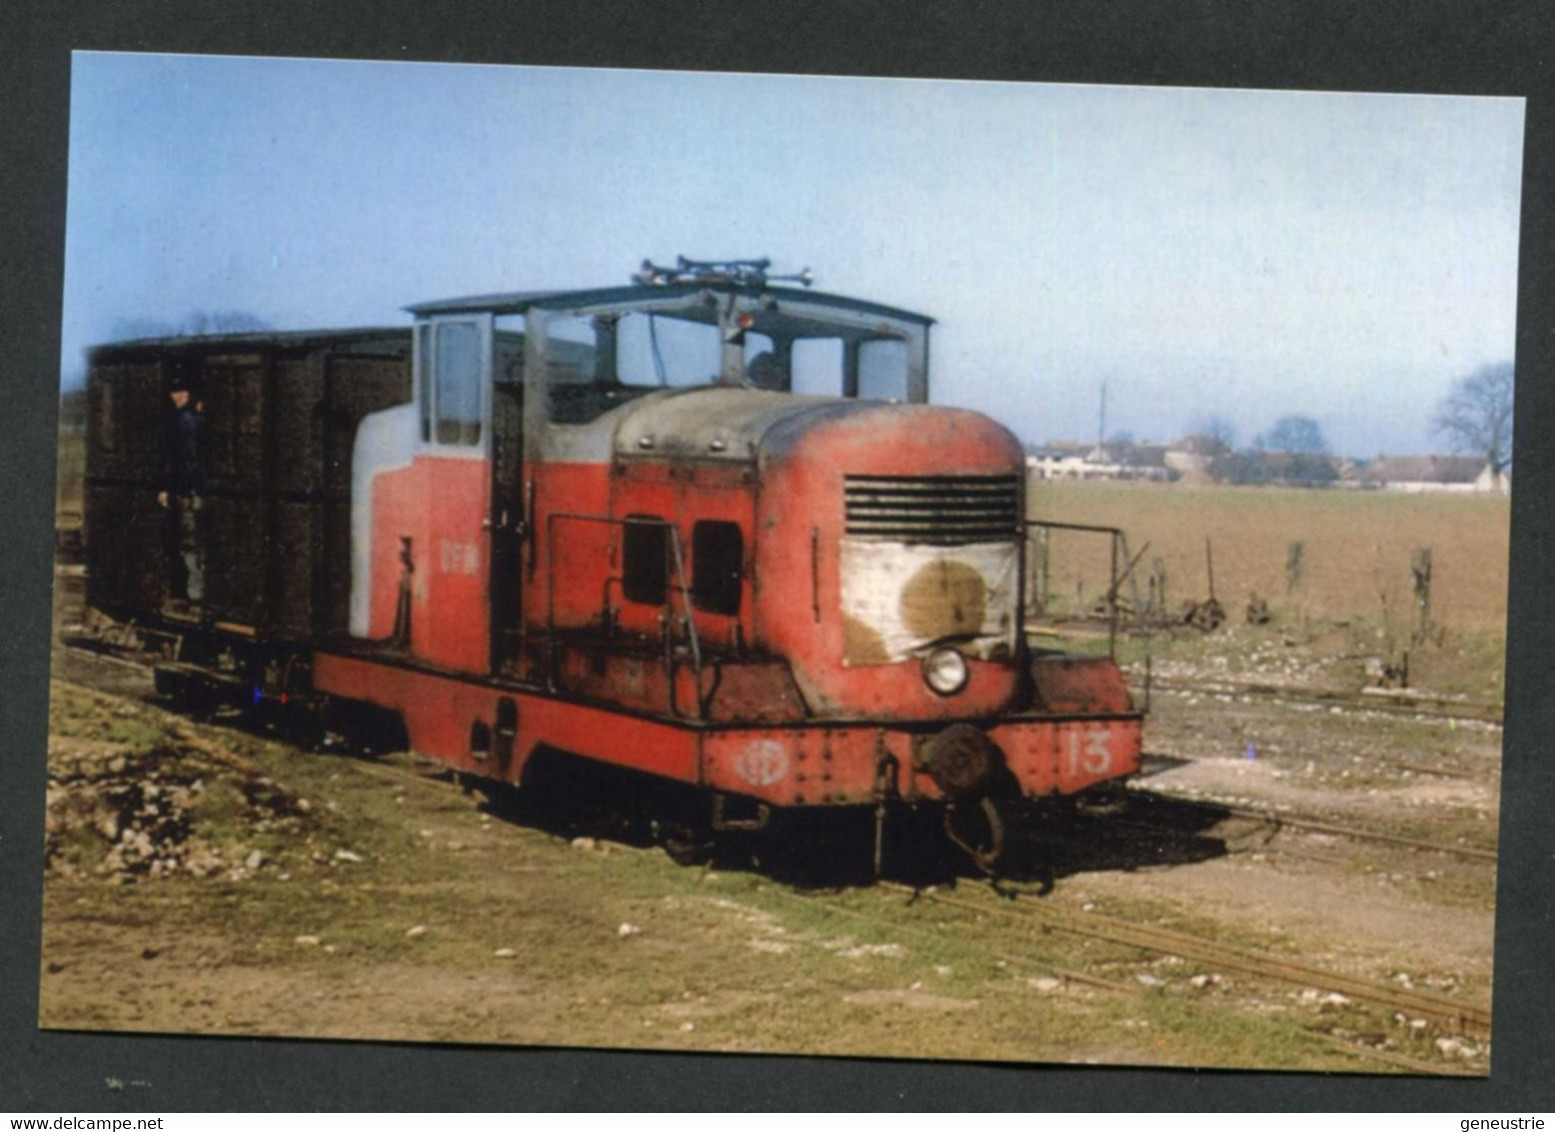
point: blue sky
(1243, 253)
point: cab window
(448, 354)
(882, 369)
(817, 366)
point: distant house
(1146, 462)
(1195, 453)
(1066, 460)
(1414, 474)
(1060, 460)
(1494, 483)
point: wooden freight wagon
(280, 416)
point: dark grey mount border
(1462, 47)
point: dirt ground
(207, 879)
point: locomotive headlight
(945, 671)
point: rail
(1454, 1015)
(675, 566)
(1279, 820)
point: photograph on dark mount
(987, 571)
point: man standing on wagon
(185, 480)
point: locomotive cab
(554, 431)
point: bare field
(1355, 556)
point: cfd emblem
(762, 762)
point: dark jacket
(186, 452)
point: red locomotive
(705, 527)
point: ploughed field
(205, 879)
(1354, 557)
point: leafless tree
(1476, 417)
(194, 323)
(125, 329)
(1296, 435)
(1215, 427)
(222, 322)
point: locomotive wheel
(305, 728)
(820, 847)
(186, 696)
(1106, 801)
(977, 827)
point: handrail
(1118, 543)
(674, 552)
(1120, 554)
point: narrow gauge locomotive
(704, 527)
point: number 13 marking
(1093, 755)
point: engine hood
(747, 425)
(718, 423)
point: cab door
(450, 555)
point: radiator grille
(943, 510)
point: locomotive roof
(516, 302)
(256, 339)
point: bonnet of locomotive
(886, 553)
(890, 558)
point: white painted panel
(384, 441)
(898, 599)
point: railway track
(890, 925)
(1390, 701)
(1275, 820)
(1279, 820)
(1452, 1015)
